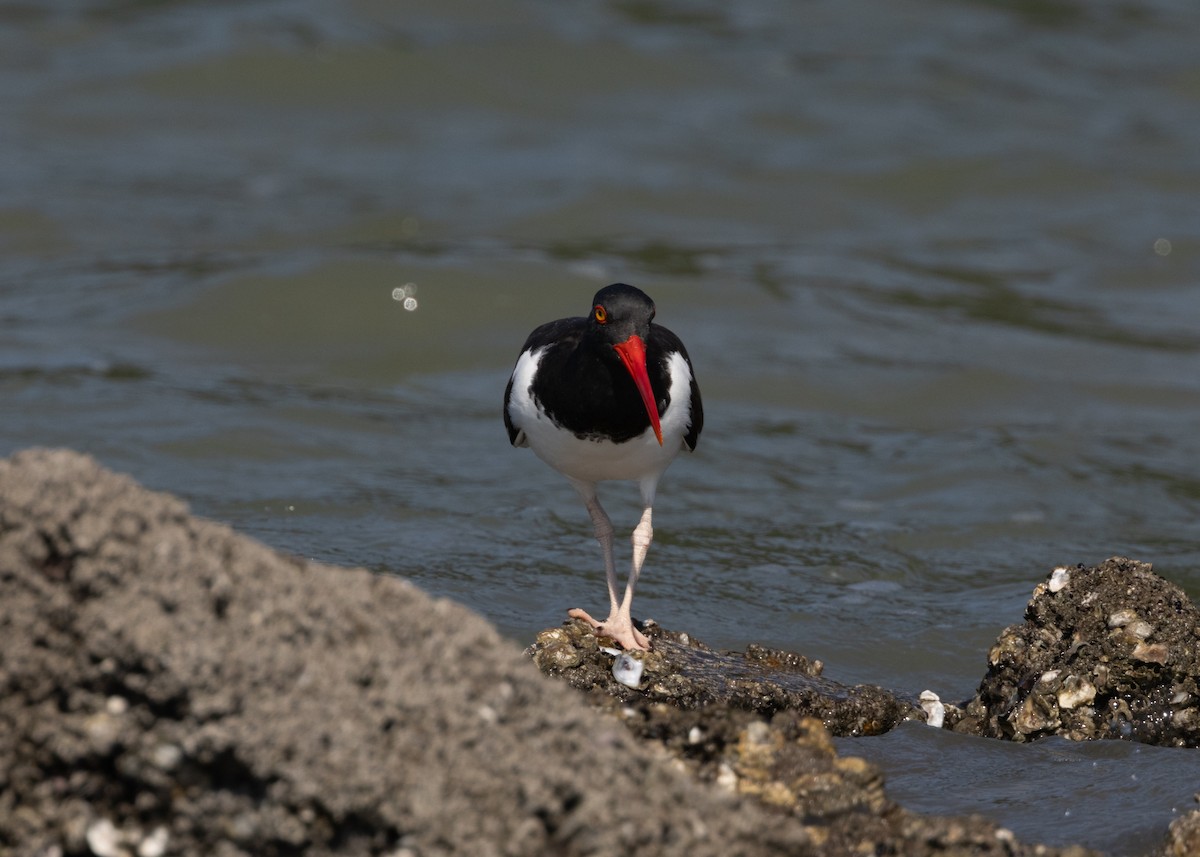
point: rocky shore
(168, 686)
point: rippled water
(937, 269)
(1115, 795)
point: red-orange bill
(633, 354)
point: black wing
(565, 331)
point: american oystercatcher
(607, 396)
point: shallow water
(1116, 794)
(937, 270)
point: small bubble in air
(406, 296)
(1162, 246)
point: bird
(607, 396)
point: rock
(1183, 837)
(167, 686)
(759, 724)
(682, 671)
(1105, 652)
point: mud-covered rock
(1106, 652)
(687, 674)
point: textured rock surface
(1105, 652)
(170, 687)
(165, 681)
(1183, 838)
(755, 723)
(685, 673)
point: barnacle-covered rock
(1105, 652)
(170, 687)
(1183, 837)
(683, 671)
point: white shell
(1141, 629)
(1122, 618)
(1059, 578)
(627, 670)
(154, 845)
(935, 711)
(1076, 695)
(104, 839)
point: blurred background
(937, 265)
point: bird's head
(621, 317)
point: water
(937, 269)
(1116, 794)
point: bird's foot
(619, 628)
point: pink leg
(619, 624)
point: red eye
(600, 314)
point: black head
(620, 311)
(621, 317)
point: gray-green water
(938, 268)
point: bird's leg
(619, 624)
(604, 535)
(643, 534)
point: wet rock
(1183, 837)
(684, 672)
(755, 724)
(1105, 652)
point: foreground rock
(1105, 652)
(169, 687)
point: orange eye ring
(600, 314)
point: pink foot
(620, 629)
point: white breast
(599, 460)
